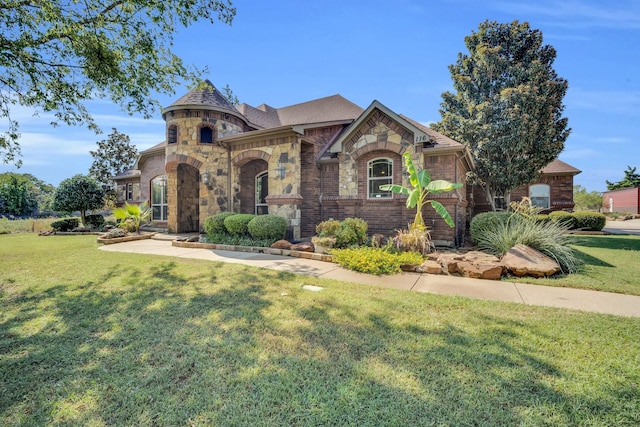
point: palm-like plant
(421, 187)
(134, 213)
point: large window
(262, 190)
(159, 206)
(540, 195)
(380, 172)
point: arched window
(380, 172)
(159, 207)
(262, 191)
(206, 135)
(540, 195)
(172, 134)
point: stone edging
(129, 238)
(254, 249)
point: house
(551, 191)
(623, 200)
(309, 162)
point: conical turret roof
(204, 95)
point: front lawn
(98, 338)
(610, 263)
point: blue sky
(283, 52)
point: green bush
(328, 228)
(550, 238)
(542, 218)
(268, 227)
(237, 240)
(215, 224)
(487, 221)
(94, 222)
(564, 218)
(238, 224)
(590, 220)
(66, 224)
(374, 260)
(352, 232)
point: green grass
(610, 263)
(98, 338)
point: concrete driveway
(631, 226)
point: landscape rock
(430, 267)
(302, 247)
(449, 262)
(486, 271)
(522, 261)
(281, 244)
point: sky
(283, 52)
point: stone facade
(308, 163)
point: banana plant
(421, 187)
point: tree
(114, 155)
(56, 55)
(586, 201)
(231, 97)
(507, 107)
(631, 179)
(16, 195)
(78, 193)
(421, 187)
(24, 194)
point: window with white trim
(262, 191)
(540, 195)
(380, 172)
(159, 206)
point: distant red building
(624, 200)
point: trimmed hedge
(348, 232)
(215, 224)
(271, 227)
(564, 218)
(66, 224)
(95, 222)
(590, 220)
(238, 224)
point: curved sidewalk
(575, 299)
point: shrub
(215, 224)
(94, 222)
(590, 220)
(328, 228)
(413, 240)
(549, 238)
(66, 224)
(486, 221)
(564, 218)
(542, 218)
(238, 224)
(374, 260)
(352, 232)
(267, 227)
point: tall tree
(56, 55)
(114, 155)
(78, 193)
(586, 201)
(17, 195)
(631, 179)
(507, 107)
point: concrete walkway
(576, 299)
(631, 226)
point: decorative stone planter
(129, 238)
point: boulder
(281, 244)
(302, 247)
(523, 260)
(479, 270)
(449, 262)
(430, 267)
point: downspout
(229, 177)
(456, 240)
